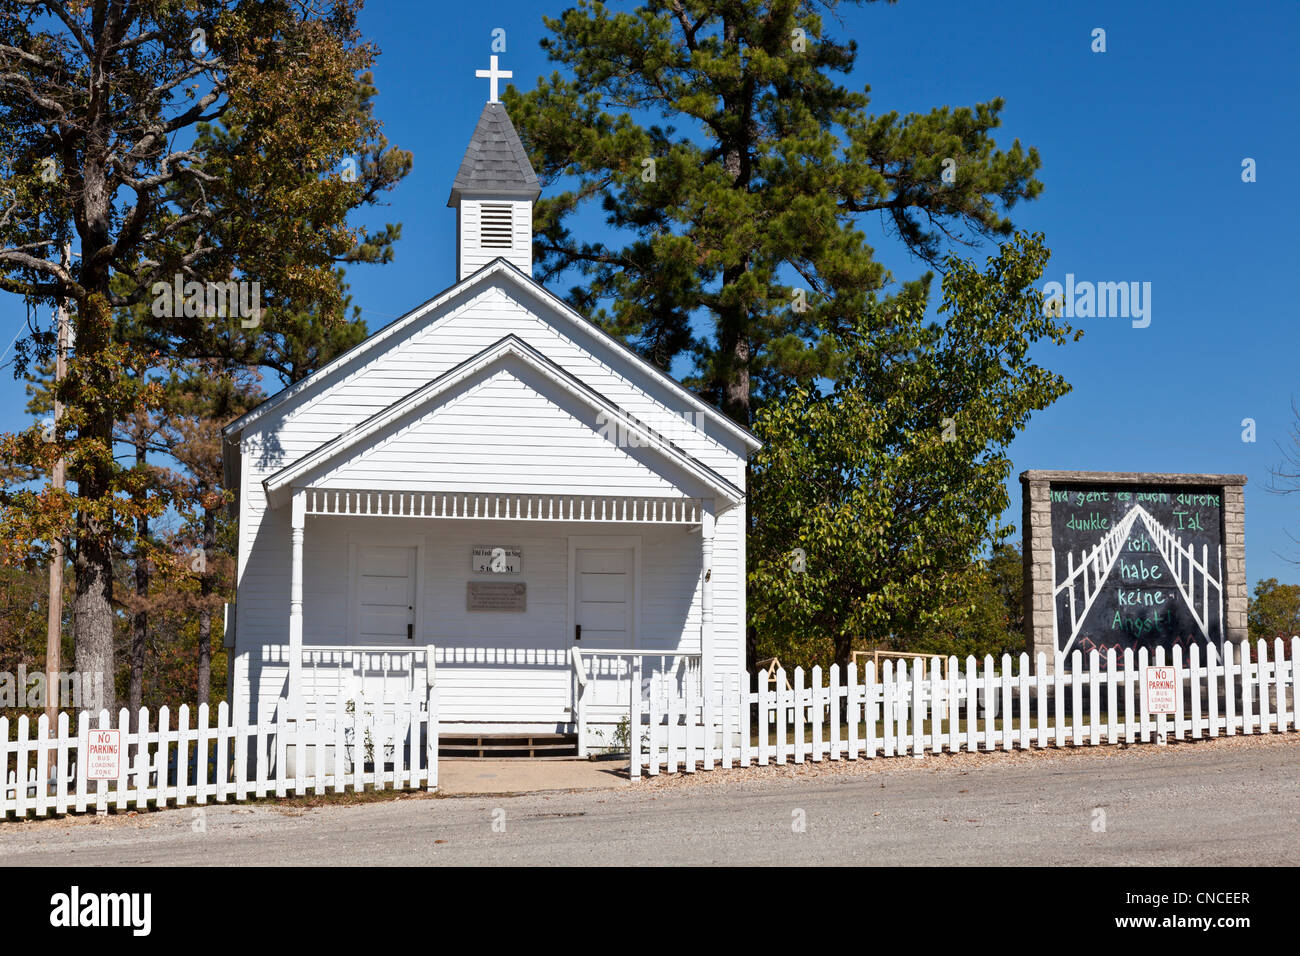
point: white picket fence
(912, 710)
(379, 745)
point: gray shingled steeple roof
(495, 161)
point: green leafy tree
(1274, 611)
(876, 496)
(987, 618)
(740, 179)
(207, 141)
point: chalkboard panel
(1136, 566)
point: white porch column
(706, 599)
(298, 524)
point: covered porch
(530, 612)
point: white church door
(604, 615)
(384, 598)
(385, 594)
(603, 602)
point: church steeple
(493, 193)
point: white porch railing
(604, 681)
(331, 673)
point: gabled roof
(495, 162)
(509, 346)
(498, 268)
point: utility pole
(54, 629)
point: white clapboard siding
(365, 744)
(494, 227)
(509, 432)
(412, 353)
(914, 711)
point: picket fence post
(61, 771)
(1040, 698)
(123, 764)
(633, 730)
(887, 708)
(724, 717)
(1094, 697)
(688, 730)
(20, 776)
(1179, 699)
(834, 716)
(42, 764)
(1293, 673)
(1004, 682)
(815, 712)
(1261, 669)
(742, 718)
(83, 738)
(851, 710)
(800, 748)
(918, 707)
(990, 741)
(1112, 729)
(1229, 689)
(1022, 677)
(1212, 690)
(1058, 700)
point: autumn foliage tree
(202, 142)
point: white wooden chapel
(491, 486)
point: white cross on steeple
(494, 74)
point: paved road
(1228, 802)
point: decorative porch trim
(504, 507)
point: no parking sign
(104, 755)
(1161, 689)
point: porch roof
(700, 479)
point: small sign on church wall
(496, 559)
(496, 596)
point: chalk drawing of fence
(1181, 560)
(1094, 564)
(1083, 582)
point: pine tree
(740, 177)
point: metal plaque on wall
(495, 596)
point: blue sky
(1142, 149)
